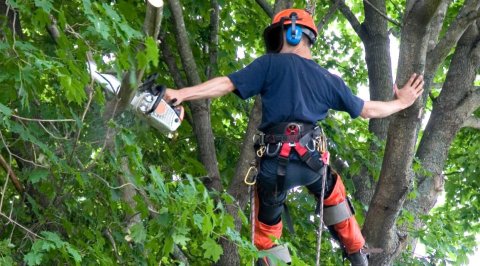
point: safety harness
(280, 141)
(282, 138)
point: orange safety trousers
(348, 231)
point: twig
(107, 134)
(19, 225)
(108, 234)
(4, 190)
(383, 14)
(112, 187)
(51, 134)
(13, 177)
(90, 97)
(43, 120)
(16, 156)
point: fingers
(412, 79)
(172, 97)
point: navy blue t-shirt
(294, 88)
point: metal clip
(314, 142)
(254, 177)
(271, 154)
(261, 151)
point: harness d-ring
(279, 145)
(311, 149)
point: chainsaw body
(148, 101)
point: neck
(300, 50)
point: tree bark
(13, 20)
(448, 116)
(200, 108)
(395, 176)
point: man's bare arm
(213, 88)
(404, 98)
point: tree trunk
(395, 176)
(450, 110)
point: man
(296, 94)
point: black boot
(358, 258)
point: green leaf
(138, 233)
(53, 237)
(33, 258)
(46, 5)
(5, 110)
(74, 253)
(212, 250)
(180, 239)
(38, 175)
(142, 59)
(152, 52)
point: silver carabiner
(314, 145)
(279, 145)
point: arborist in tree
(296, 94)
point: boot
(358, 258)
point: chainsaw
(148, 101)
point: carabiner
(270, 154)
(254, 178)
(261, 151)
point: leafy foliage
(53, 137)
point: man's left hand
(411, 91)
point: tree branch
(169, 59)
(396, 23)
(153, 16)
(18, 186)
(266, 7)
(53, 29)
(348, 14)
(184, 48)
(200, 108)
(213, 45)
(473, 122)
(280, 5)
(328, 15)
(19, 225)
(467, 15)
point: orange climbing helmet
(273, 34)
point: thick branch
(473, 122)
(53, 29)
(213, 45)
(281, 4)
(468, 15)
(266, 7)
(12, 175)
(153, 18)
(169, 59)
(200, 108)
(184, 48)
(154, 10)
(348, 14)
(328, 15)
(383, 14)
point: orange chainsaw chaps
(348, 231)
(263, 232)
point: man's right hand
(173, 97)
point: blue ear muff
(294, 34)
